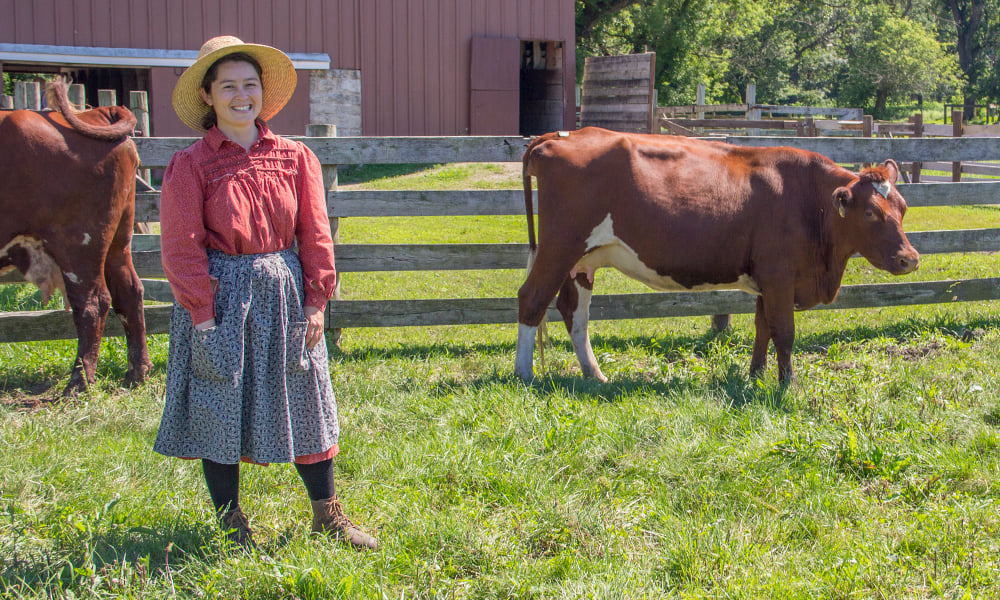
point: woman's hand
(314, 330)
(205, 325)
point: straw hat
(277, 78)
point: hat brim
(277, 77)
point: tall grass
(873, 476)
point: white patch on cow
(602, 235)
(605, 249)
(86, 238)
(523, 362)
(72, 277)
(42, 269)
(882, 187)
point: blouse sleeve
(182, 238)
(312, 230)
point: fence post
(753, 114)
(330, 184)
(77, 95)
(107, 98)
(867, 129)
(918, 131)
(956, 131)
(700, 100)
(139, 105)
(723, 322)
(138, 102)
(6, 102)
(27, 94)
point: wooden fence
(618, 92)
(155, 152)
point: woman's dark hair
(210, 120)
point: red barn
(372, 67)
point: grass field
(874, 476)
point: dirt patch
(914, 353)
(35, 397)
(843, 365)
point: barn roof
(120, 57)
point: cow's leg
(762, 339)
(721, 322)
(88, 296)
(545, 276)
(126, 297)
(778, 324)
(574, 306)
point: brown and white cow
(67, 195)
(681, 214)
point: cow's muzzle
(905, 262)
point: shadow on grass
(352, 174)
(125, 558)
(899, 330)
(30, 385)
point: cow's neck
(834, 249)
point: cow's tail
(120, 120)
(528, 204)
(543, 333)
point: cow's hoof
(136, 376)
(75, 387)
(595, 373)
(526, 376)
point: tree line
(878, 55)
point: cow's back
(47, 160)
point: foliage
(9, 79)
(891, 57)
(977, 27)
(856, 53)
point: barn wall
(413, 55)
(422, 83)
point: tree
(685, 34)
(968, 16)
(977, 42)
(590, 12)
(892, 57)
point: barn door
(495, 86)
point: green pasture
(875, 475)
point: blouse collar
(216, 138)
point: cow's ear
(842, 199)
(893, 170)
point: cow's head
(871, 210)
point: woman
(248, 377)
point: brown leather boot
(236, 526)
(329, 518)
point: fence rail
(351, 258)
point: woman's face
(236, 96)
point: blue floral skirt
(248, 388)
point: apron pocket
(208, 355)
(296, 354)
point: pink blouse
(218, 195)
